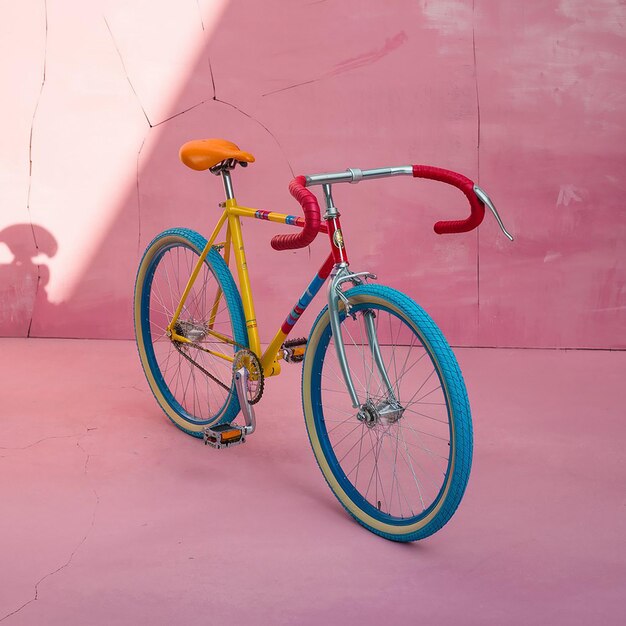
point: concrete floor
(110, 515)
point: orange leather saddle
(201, 154)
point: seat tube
(234, 227)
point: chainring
(256, 380)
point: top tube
(355, 175)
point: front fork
(340, 275)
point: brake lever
(486, 200)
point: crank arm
(241, 386)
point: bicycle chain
(243, 351)
(202, 369)
(287, 346)
(294, 343)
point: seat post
(228, 185)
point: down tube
(291, 320)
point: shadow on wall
(23, 278)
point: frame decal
(305, 299)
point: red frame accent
(327, 267)
(339, 253)
(311, 224)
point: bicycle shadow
(283, 466)
(24, 278)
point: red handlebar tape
(312, 219)
(311, 210)
(466, 186)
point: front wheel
(399, 463)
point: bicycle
(384, 401)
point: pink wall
(525, 98)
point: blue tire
(399, 469)
(190, 398)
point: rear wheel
(191, 382)
(400, 462)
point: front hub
(368, 414)
(384, 412)
(389, 411)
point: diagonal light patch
(138, 65)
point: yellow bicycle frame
(234, 239)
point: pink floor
(110, 515)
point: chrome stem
(331, 209)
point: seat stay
(196, 271)
(218, 295)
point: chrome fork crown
(340, 275)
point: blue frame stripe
(305, 299)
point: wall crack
(171, 117)
(200, 13)
(306, 82)
(119, 54)
(477, 158)
(367, 58)
(262, 126)
(30, 445)
(30, 161)
(212, 79)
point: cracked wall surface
(523, 99)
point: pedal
(228, 435)
(224, 436)
(294, 349)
